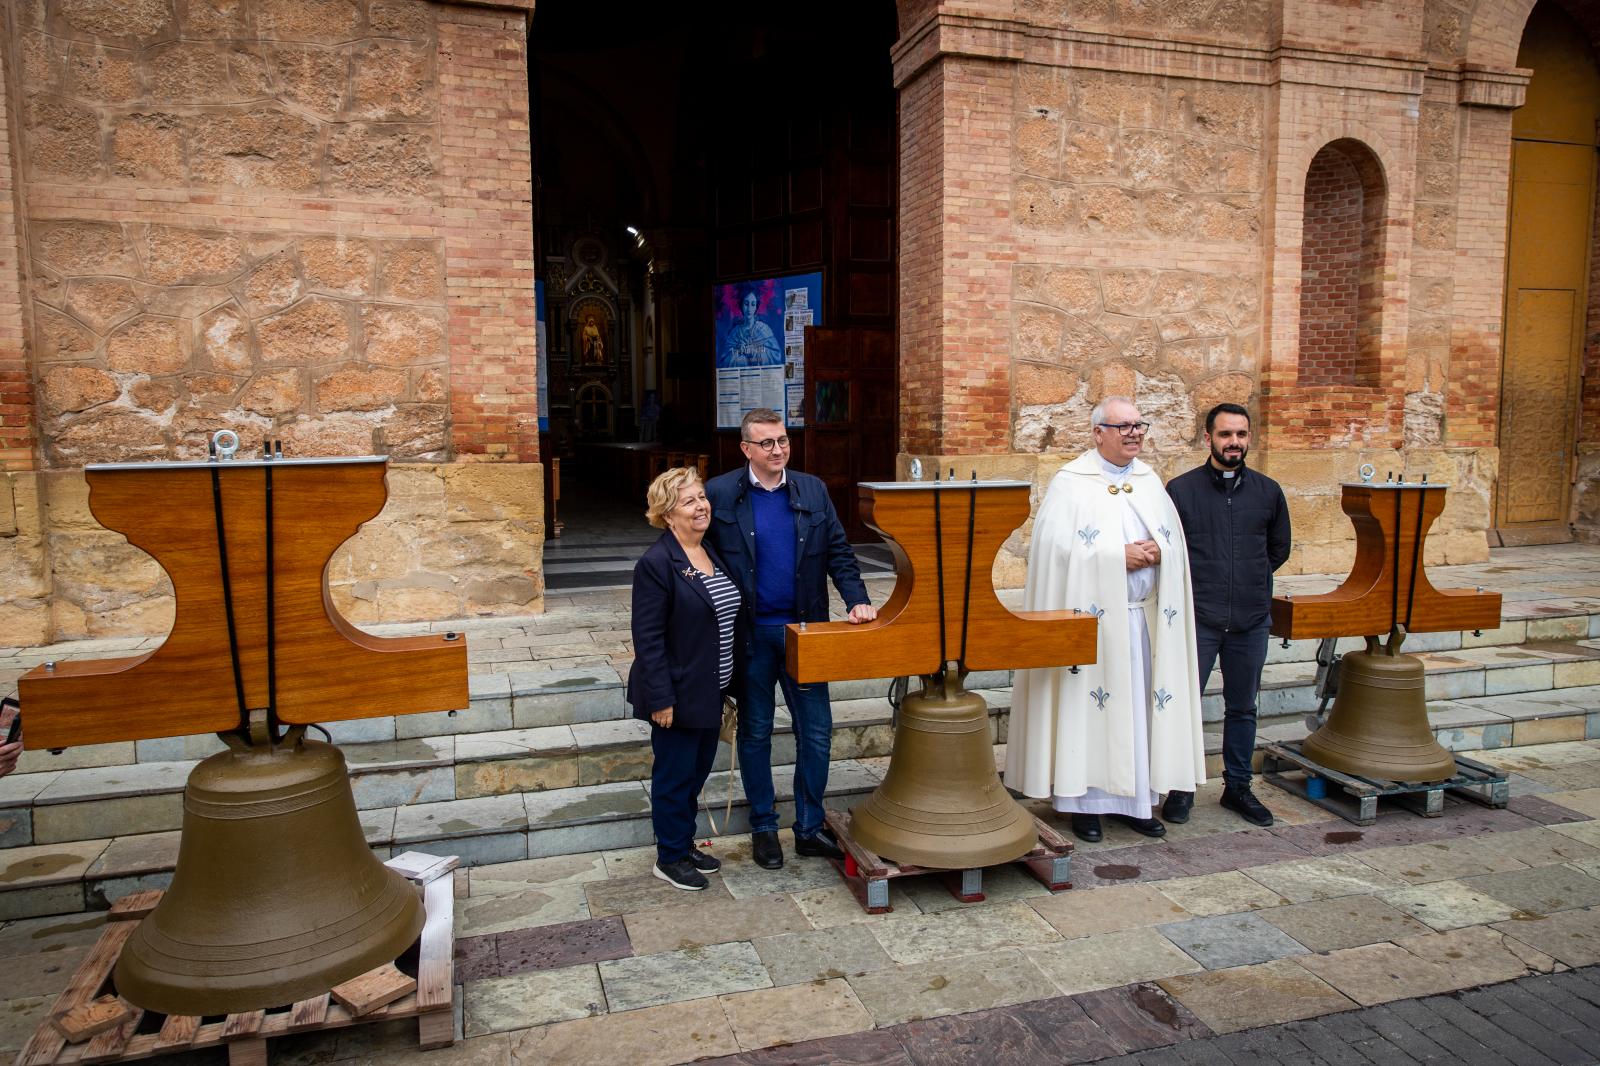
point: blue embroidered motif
(1165, 532)
(1096, 610)
(1088, 535)
(1171, 613)
(1100, 696)
(1163, 697)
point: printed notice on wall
(761, 345)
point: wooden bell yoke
(944, 536)
(247, 545)
(1388, 586)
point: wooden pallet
(246, 1035)
(1359, 802)
(868, 875)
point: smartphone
(10, 706)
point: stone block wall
(303, 220)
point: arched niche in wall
(1341, 257)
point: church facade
(314, 221)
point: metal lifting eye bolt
(224, 443)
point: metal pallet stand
(1359, 804)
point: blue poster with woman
(749, 317)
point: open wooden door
(850, 413)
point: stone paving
(1218, 929)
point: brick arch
(1344, 210)
(1494, 33)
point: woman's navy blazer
(675, 646)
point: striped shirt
(725, 597)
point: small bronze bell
(276, 895)
(1378, 727)
(941, 803)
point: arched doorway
(1547, 278)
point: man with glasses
(778, 533)
(1111, 736)
(1236, 522)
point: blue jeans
(1243, 654)
(813, 736)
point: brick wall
(1330, 273)
(16, 387)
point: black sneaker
(1243, 802)
(1176, 809)
(681, 874)
(706, 864)
(821, 846)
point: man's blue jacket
(821, 548)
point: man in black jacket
(781, 539)
(1237, 524)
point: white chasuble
(1121, 730)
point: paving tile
(19, 1017)
(950, 986)
(1223, 893)
(1142, 1016)
(1123, 866)
(1585, 801)
(1344, 922)
(554, 946)
(1461, 818)
(627, 895)
(634, 862)
(1226, 940)
(653, 1036)
(873, 1047)
(553, 905)
(1105, 910)
(1323, 878)
(1249, 996)
(1439, 860)
(745, 880)
(1541, 889)
(1539, 846)
(49, 864)
(983, 1038)
(716, 921)
(922, 937)
(767, 1016)
(836, 905)
(1378, 973)
(509, 878)
(1232, 851)
(431, 821)
(674, 976)
(1570, 937)
(1479, 955)
(500, 1004)
(1001, 884)
(1444, 905)
(623, 799)
(1540, 809)
(819, 954)
(55, 933)
(1108, 960)
(1067, 1031)
(1584, 831)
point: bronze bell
(1378, 727)
(276, 896)
(942, 804)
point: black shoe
(1086, 827)
(821, 846)
(681, 874)
(1150, 827)
(765, 850)
(1242, 801)
(706, 864)
(1176, 809)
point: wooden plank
(87, 1019)
(373, 989)
(436, 955)
(132, 907)
(421, 867)
(248, 1052)
(109, 1045)
(436, 1030)
(1051, 839)
(241, 1026)
(178, 1031)
(308, 1013)
(868, 863)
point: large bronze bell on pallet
(1378, 727)
(959, 816)
(941, 804)
(276, 896)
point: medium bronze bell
(1378, 727)
(942, 804)
(276, 896)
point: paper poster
(759, 329)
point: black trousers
(1243, 654)
(681, 764)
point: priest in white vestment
(1109, 739)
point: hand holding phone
(11, 719)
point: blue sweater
(775, 559)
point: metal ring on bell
(226, 442)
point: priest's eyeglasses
(1127, 429)
(768, 445)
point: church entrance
(1547, 279)
(715, 190)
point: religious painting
(759, 335)
(593, 347)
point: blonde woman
(684, 613)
